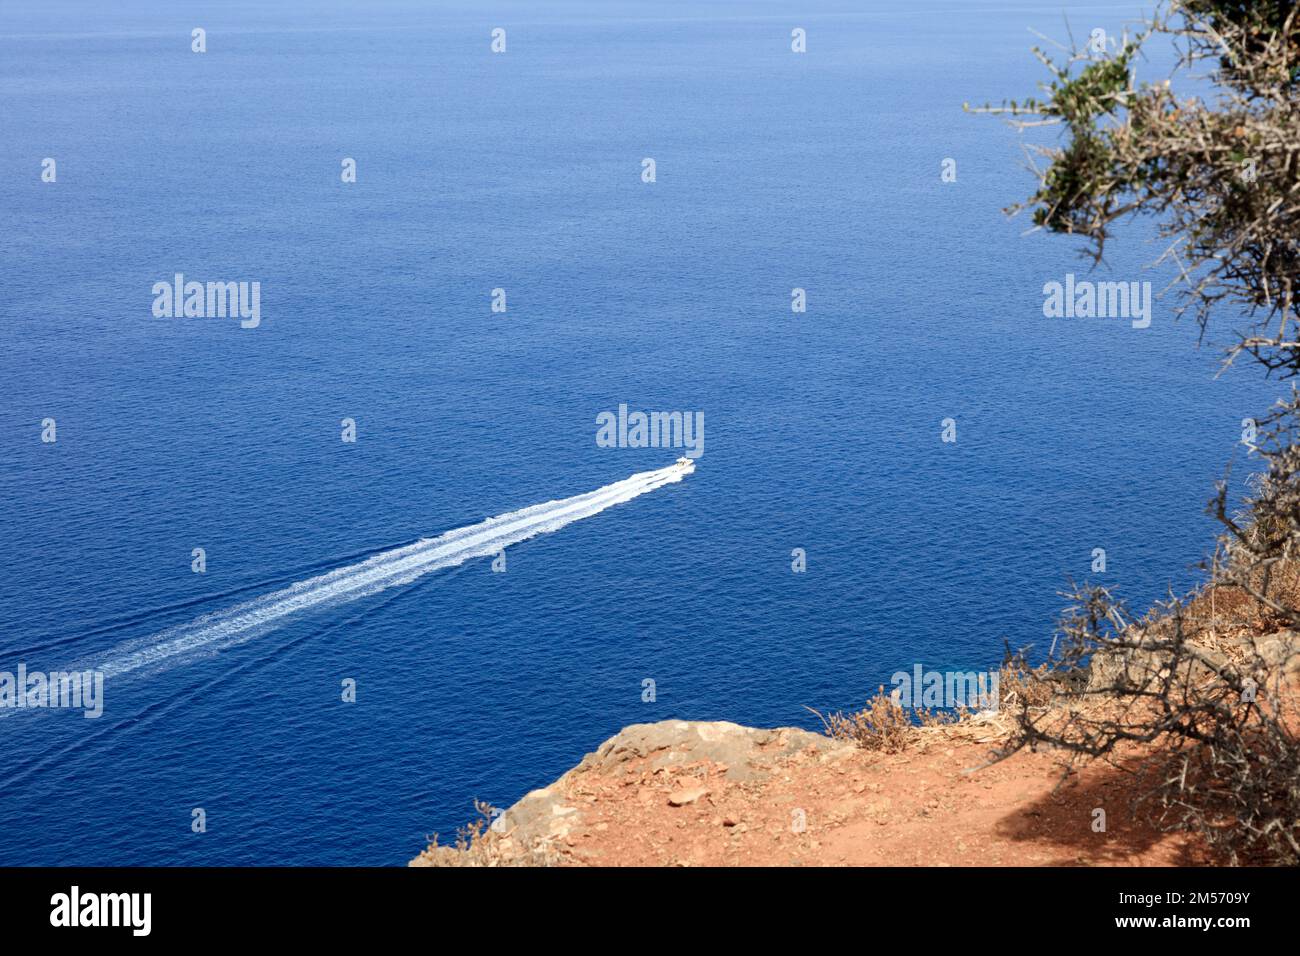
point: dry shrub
(882, 725)
(885, 725)
(1205, 686)
(1033, 687)
(1215, 716)
(478, 844)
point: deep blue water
(522, 171)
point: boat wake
(389, 569)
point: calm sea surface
(522, 171)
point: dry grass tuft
(882, 725)
(478, 844)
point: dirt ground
(803, 800)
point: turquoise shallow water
(522, 171)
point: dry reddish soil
(801, 799)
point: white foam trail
(388, 569)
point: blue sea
(522, 171)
